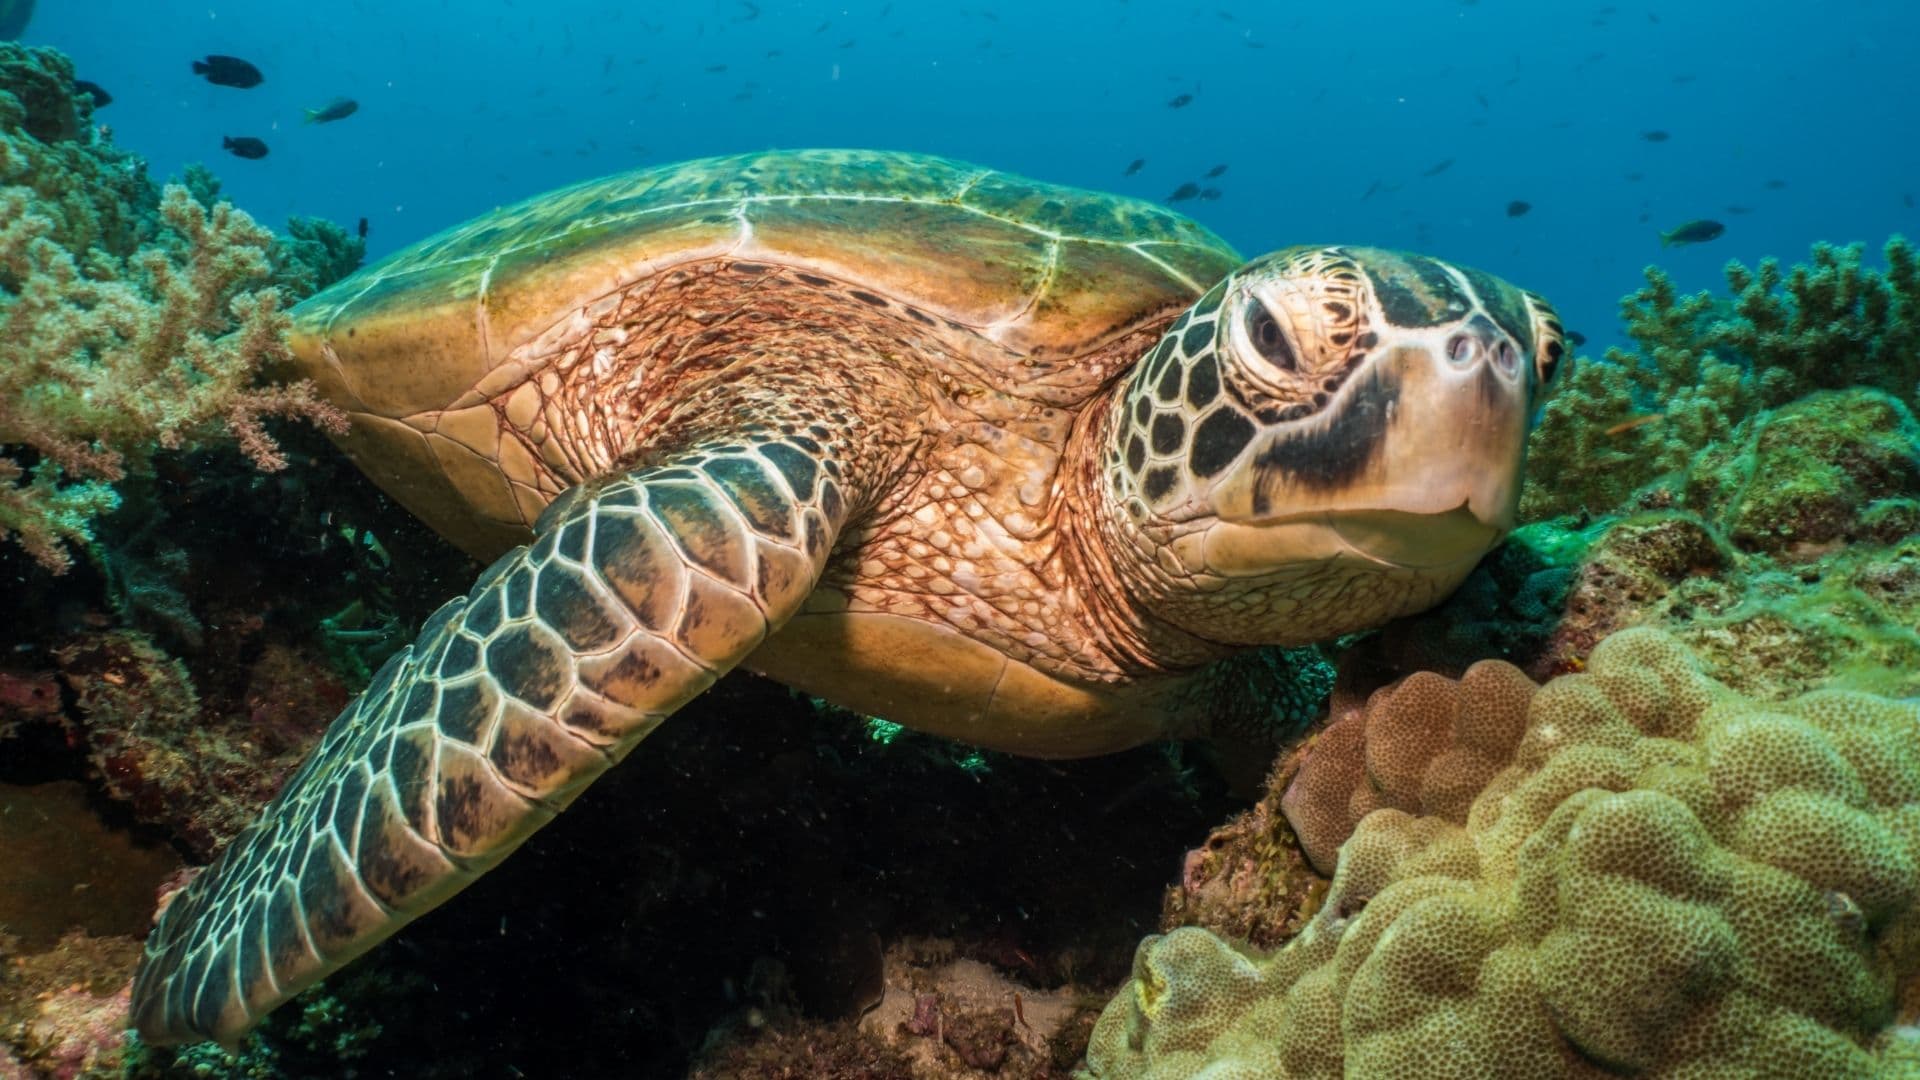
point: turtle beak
(1417, 463)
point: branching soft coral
(105, 360)
(131, 320)
(1704, 363)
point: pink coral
(1425, 745)
(79, 1033)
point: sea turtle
(1008, 462)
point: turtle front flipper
(637, 595)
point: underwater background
(1642, 797)
(1404, 124)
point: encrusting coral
(1664, 879)
(1702, 364)
(1813, 472)
(130, 320)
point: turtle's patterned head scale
(1349, 415)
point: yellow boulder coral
(1662, 879)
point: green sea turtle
(1008, 462)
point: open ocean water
(1407, 124)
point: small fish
(1184, 192)
(93, 90)
(1518, 208)
(1371, 188)
(244, 146)
(1137, 164)
(1180, 102)
(1576, 338)
(1439, 168)
(1691, 232)
(1635, 177)
(1482, 99)
(1739, 210)
(1655, 135)
(715, 69)
(1216, 171)
(1209, 194)
(362, 230)
(1625, 426)
(228, 71)
(337, 109)
(1906, 199)
(1775, 185)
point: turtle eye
(1264, 331)
(1550, 359)
(1551, 337)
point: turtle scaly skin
(1018, 464)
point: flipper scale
(637, 595)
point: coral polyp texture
(1427, 745)
(132, 320)
(1702, 363)
(1664, 879)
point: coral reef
(1831, 468)
(1250, 880)
(179, 668)
(63, 1010)
(202, 774)
(840, 1051)
(1666, 878)
(1703, 364)
(1426, 746)
(314, 253)
(131, 320)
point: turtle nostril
(1505, 358)
(1463, 350)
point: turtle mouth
(1426, 542)
(1415, 541)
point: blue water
(467, 105)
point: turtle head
(1329, 438)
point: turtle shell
(1039, 268)
(1048, 268)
